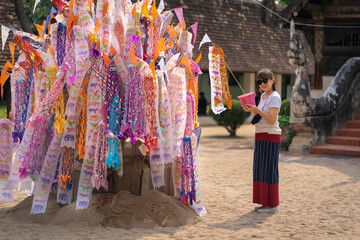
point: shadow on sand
(248, 220)
(349, 166)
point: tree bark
(23, 18)
(294, 6)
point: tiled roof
(8, 18)
(236, 26)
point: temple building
(336, 42)
(249, 44)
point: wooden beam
(342, 9)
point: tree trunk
(293, 8)
(22, 16)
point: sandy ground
(319, 199)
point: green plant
(283, 120)
(285, 107)
(231, 119)
(289, 133)
(3, 112)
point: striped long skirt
(265, 169)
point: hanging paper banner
(205, 39)
(99, 177)
(72, 112)
(165, 120)
(43, 185)
(157, 154)
(198, 204)
(4, 35)
(95, 102)
(6, 152)
(188, 192)
(21, 151)
(217, 105)
(185, 44)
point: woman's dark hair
(266, 73)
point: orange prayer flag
(191, 86)
(171, 31)
(169, 45)
(133, 12)
(159, 47)
(154, 15)
(133, 57)
(40, 29)
(152, 68)
(51, 49)
(198, 58)
(105, 9)
(154, 12)
(12, 51)
(106, 60)
(144, 10)
(112, 50)
(2, 81)
(97, 27)
(5, 75)
(90, 6)
(186, 63)
(51, 17)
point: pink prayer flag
(194, 29)
(71, 80)
(180, 15)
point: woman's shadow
(248, 220)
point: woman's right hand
(246, 109)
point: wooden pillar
(249, 82)
(278, 83)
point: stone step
(349, 132)
(353, 124)
(339, 150)
(341, 140)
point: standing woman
(267, 144)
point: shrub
(231, 119)
(284, 122)
(285, 108)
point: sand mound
(121, 210)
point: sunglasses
(260, 81)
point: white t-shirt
(273, 101)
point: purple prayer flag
(194, 29)
(180, 15)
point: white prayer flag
(35, 5)
(205, 39)
(161, 6)
(4, 35)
